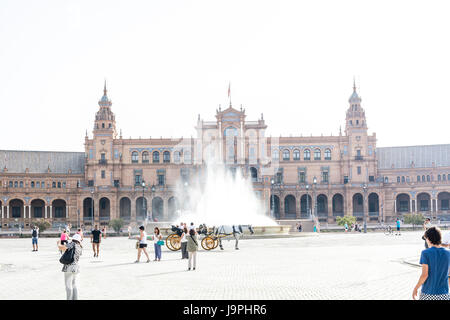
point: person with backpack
(70, 260)
(192, 248)
(34, 238)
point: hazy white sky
(168, 61)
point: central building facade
(294, 177)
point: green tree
(116, 224)
(42, 225)
(341, 221)
(416, 219)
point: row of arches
(422, 202)
(156, 157)
(337, 205)
(37, 208)
(154, 212)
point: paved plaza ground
(327, 266)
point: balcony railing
(359, 158)
(103, 161)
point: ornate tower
(355, 119)
(105, 123)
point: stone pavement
(328, 266)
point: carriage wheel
(208, 243)
(173, 242)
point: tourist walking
(184, 252)
(426, 225)
(104, 232)
(192, 248)
(398, 223)
(157, 243)
(142, 244)
(72, 269)
(96, 239)
(346, 227)
(435, 263)
(34, 238)
(129, 232)
(80, 232)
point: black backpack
(69, 256)
(34, 234)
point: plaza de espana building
(294, 177)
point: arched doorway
(157, 209)
(275, 206)
(402, 203)
(88, 210)
(125, 208)
(59, 209)
(289, 207)
(173, 206)
(322, 206)
(374, 206)
(37, 209)
(423, 202)
(338, 205)
(16, 208)
(254, 174)
(443, 201)
(358, 205)
(105, 208)
(305, 206)
(141, 209)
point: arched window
(166, 157)
(32, 184)
(176, 157)
(156, 157)
(53, 184)
(38, 184)
(317, 154)
(398, 179)
(418, 178)
(286, 155)
(428, 178)
(327, 154)
(134, 157)
(403, 179)
(296, 154)
(423, 178)
(21, 184)
(439, 177)
(145, 157)
(275, 154)
(307, 154)
(443, 177)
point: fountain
(217, 195)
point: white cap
(76, 237)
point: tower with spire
(355, 120)
(105, 123)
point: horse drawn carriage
(212, 237)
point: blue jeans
(157, 251)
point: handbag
(160, 243)
(137, 244)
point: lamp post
(307, 202)
(272, 209)
(78, 218)
(92, 207)
(314, 195)
(153, 191)
(144, 202)
(364, 207)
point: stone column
(166, 211)
(133, 211)
(1, 210)
(395, 206)
(330, 208)
(50, 213)
(67, 212)
(7, 212)
(410, 205)
(282, 215)
(45, 212)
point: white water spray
(218, 196)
